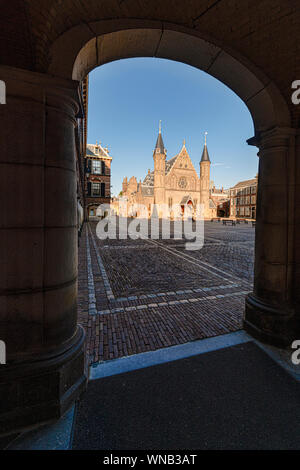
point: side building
(97, 178)
(243, 199)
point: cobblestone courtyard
(141, 295)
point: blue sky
(127, 98)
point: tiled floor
(141, 295)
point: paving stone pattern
(141, 295)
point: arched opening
(265, 103)
(269, 111)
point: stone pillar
(272, 310)
(38, 250)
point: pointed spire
(183, 148)
(205, 155)
(160, 143)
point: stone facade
(97, 177)
(173, 182)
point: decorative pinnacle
(184, 142)
(205, 137)
(160, 126)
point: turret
(159, 157)
(205, 179)
(124, 186)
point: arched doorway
(187, 207)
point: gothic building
(173, 182)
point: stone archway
(44, 344)
(83, 48)
(270, 315)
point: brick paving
(141, 295)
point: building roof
(96, 151)
(219, 192)
(186, 199)
(241, 184)
(149, 179)
(147, 190)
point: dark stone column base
(269, 324)
(36, 392)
